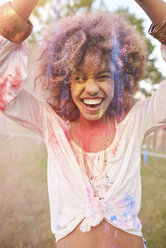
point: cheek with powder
(76, 90)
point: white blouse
(74, 199)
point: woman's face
(92, 90)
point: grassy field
(153, 211)
(24, 209)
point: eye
(80, 79)
(103, 77)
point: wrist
(159, 32)
(12, 26)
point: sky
(135, 9)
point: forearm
(24, 7)
(155, 9)
(14, 24)
(15, 102)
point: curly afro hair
(64, 46)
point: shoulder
(122, 116)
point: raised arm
(153, 110)
(24, 7)
(155, 9)
(15, 102)
(14, 24)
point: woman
(88, 68)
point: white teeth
(92, 101)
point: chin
(95, 117)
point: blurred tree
(152, 71)
(41, 3)
(49, 10)
(64, 8)
(79, 5)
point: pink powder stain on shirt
(117, 143)
(14, 80)
(52, 140)
(114, 151)
(3, 101)
(67, 132)
(89, 194)
(55, 146)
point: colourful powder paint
(128, 198)
(101, 113)
(145, 155)
(113, 218)
(89, 195)
(116, 233)
(11, 80)
(2, 93)
(107, 228)
(130, 205)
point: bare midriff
(102, 236)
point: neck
(92, 136)
(84, 123)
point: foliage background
(60, 9)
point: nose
(91, 87)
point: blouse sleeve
(15, 102)
(153, 109)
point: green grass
(153, 211)
(24, 215)
(24, 208)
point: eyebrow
(102, 72)
(99, 73)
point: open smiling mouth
(92, 103)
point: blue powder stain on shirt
(113, 218)
(58, 226)
(60, 212)
(130, 205)
(128, 199)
